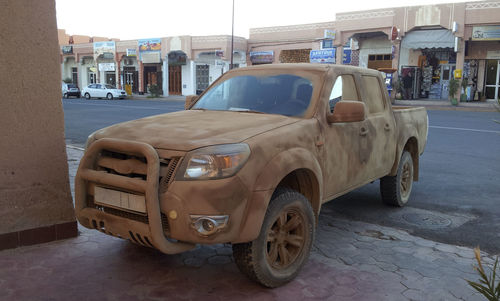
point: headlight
(213, 162)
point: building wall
(35, 198)
(378, 45)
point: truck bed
(411, 122)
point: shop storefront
(428, 58)
(150, 55)
(482, 63)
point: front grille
(133, 166)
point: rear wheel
(87, 96)
(109, 96)
(284, 242)
(396, 190)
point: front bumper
(147, 229)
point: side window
(375, 99)
(343, 89)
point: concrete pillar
(35, 196)
(117, 71)
(460, 63)
(141, 78)
(339, 55)
(165, 77)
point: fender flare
(274, 171)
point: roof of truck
(307, 67)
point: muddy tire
(284, 242)
(396, 190)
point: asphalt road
(457, 199)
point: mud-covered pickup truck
(250, 162)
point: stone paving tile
(350, 261)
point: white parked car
(102, 91)
(70, 90)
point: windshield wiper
(244, 110)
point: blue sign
(347, 56)
(325, 56)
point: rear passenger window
(375, 100)
(343, 89)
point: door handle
(387, 127)
(363, 131)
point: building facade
(425, 43)
(175, 65)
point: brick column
(141, 78)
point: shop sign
(261, 57)
(394, 33)
(219, 63)
(131, 52)
(146, 45)
(486, 33)
(219, 53)
(177, 58)
(106, 49)
(106, 66)
(151, 57)
(93, 69)
(493, 55)
(347, 56)
(149, 50)
(329, 34)
(67, 49)
(325, 56)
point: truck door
(343, 168)
(377, 136)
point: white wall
(188, 78)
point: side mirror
(347, 111)
(190, 100)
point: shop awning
(421, 39)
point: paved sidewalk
(160, 98)
(476, 106)
(350, 261)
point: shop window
(387, 57)
(343, 89)
(374, 99)
(371, 57)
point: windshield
(110, 87)
(282, 94)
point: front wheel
(396, 190)
(65, 95)
(87, 96)
(284, 242)
(109, 96)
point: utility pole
(232, 39)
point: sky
(133, 19)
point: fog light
(207, 225)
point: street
(455, 201)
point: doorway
(492, 79)
(174, 80)
(202, 78)
(446, 74)
(111, 78)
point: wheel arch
(411, 145)
(295, 168)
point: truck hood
(188, 130)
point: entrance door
(111, 78)
(446, 75)
(174, 80)
(492, 79)
(202, 78)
